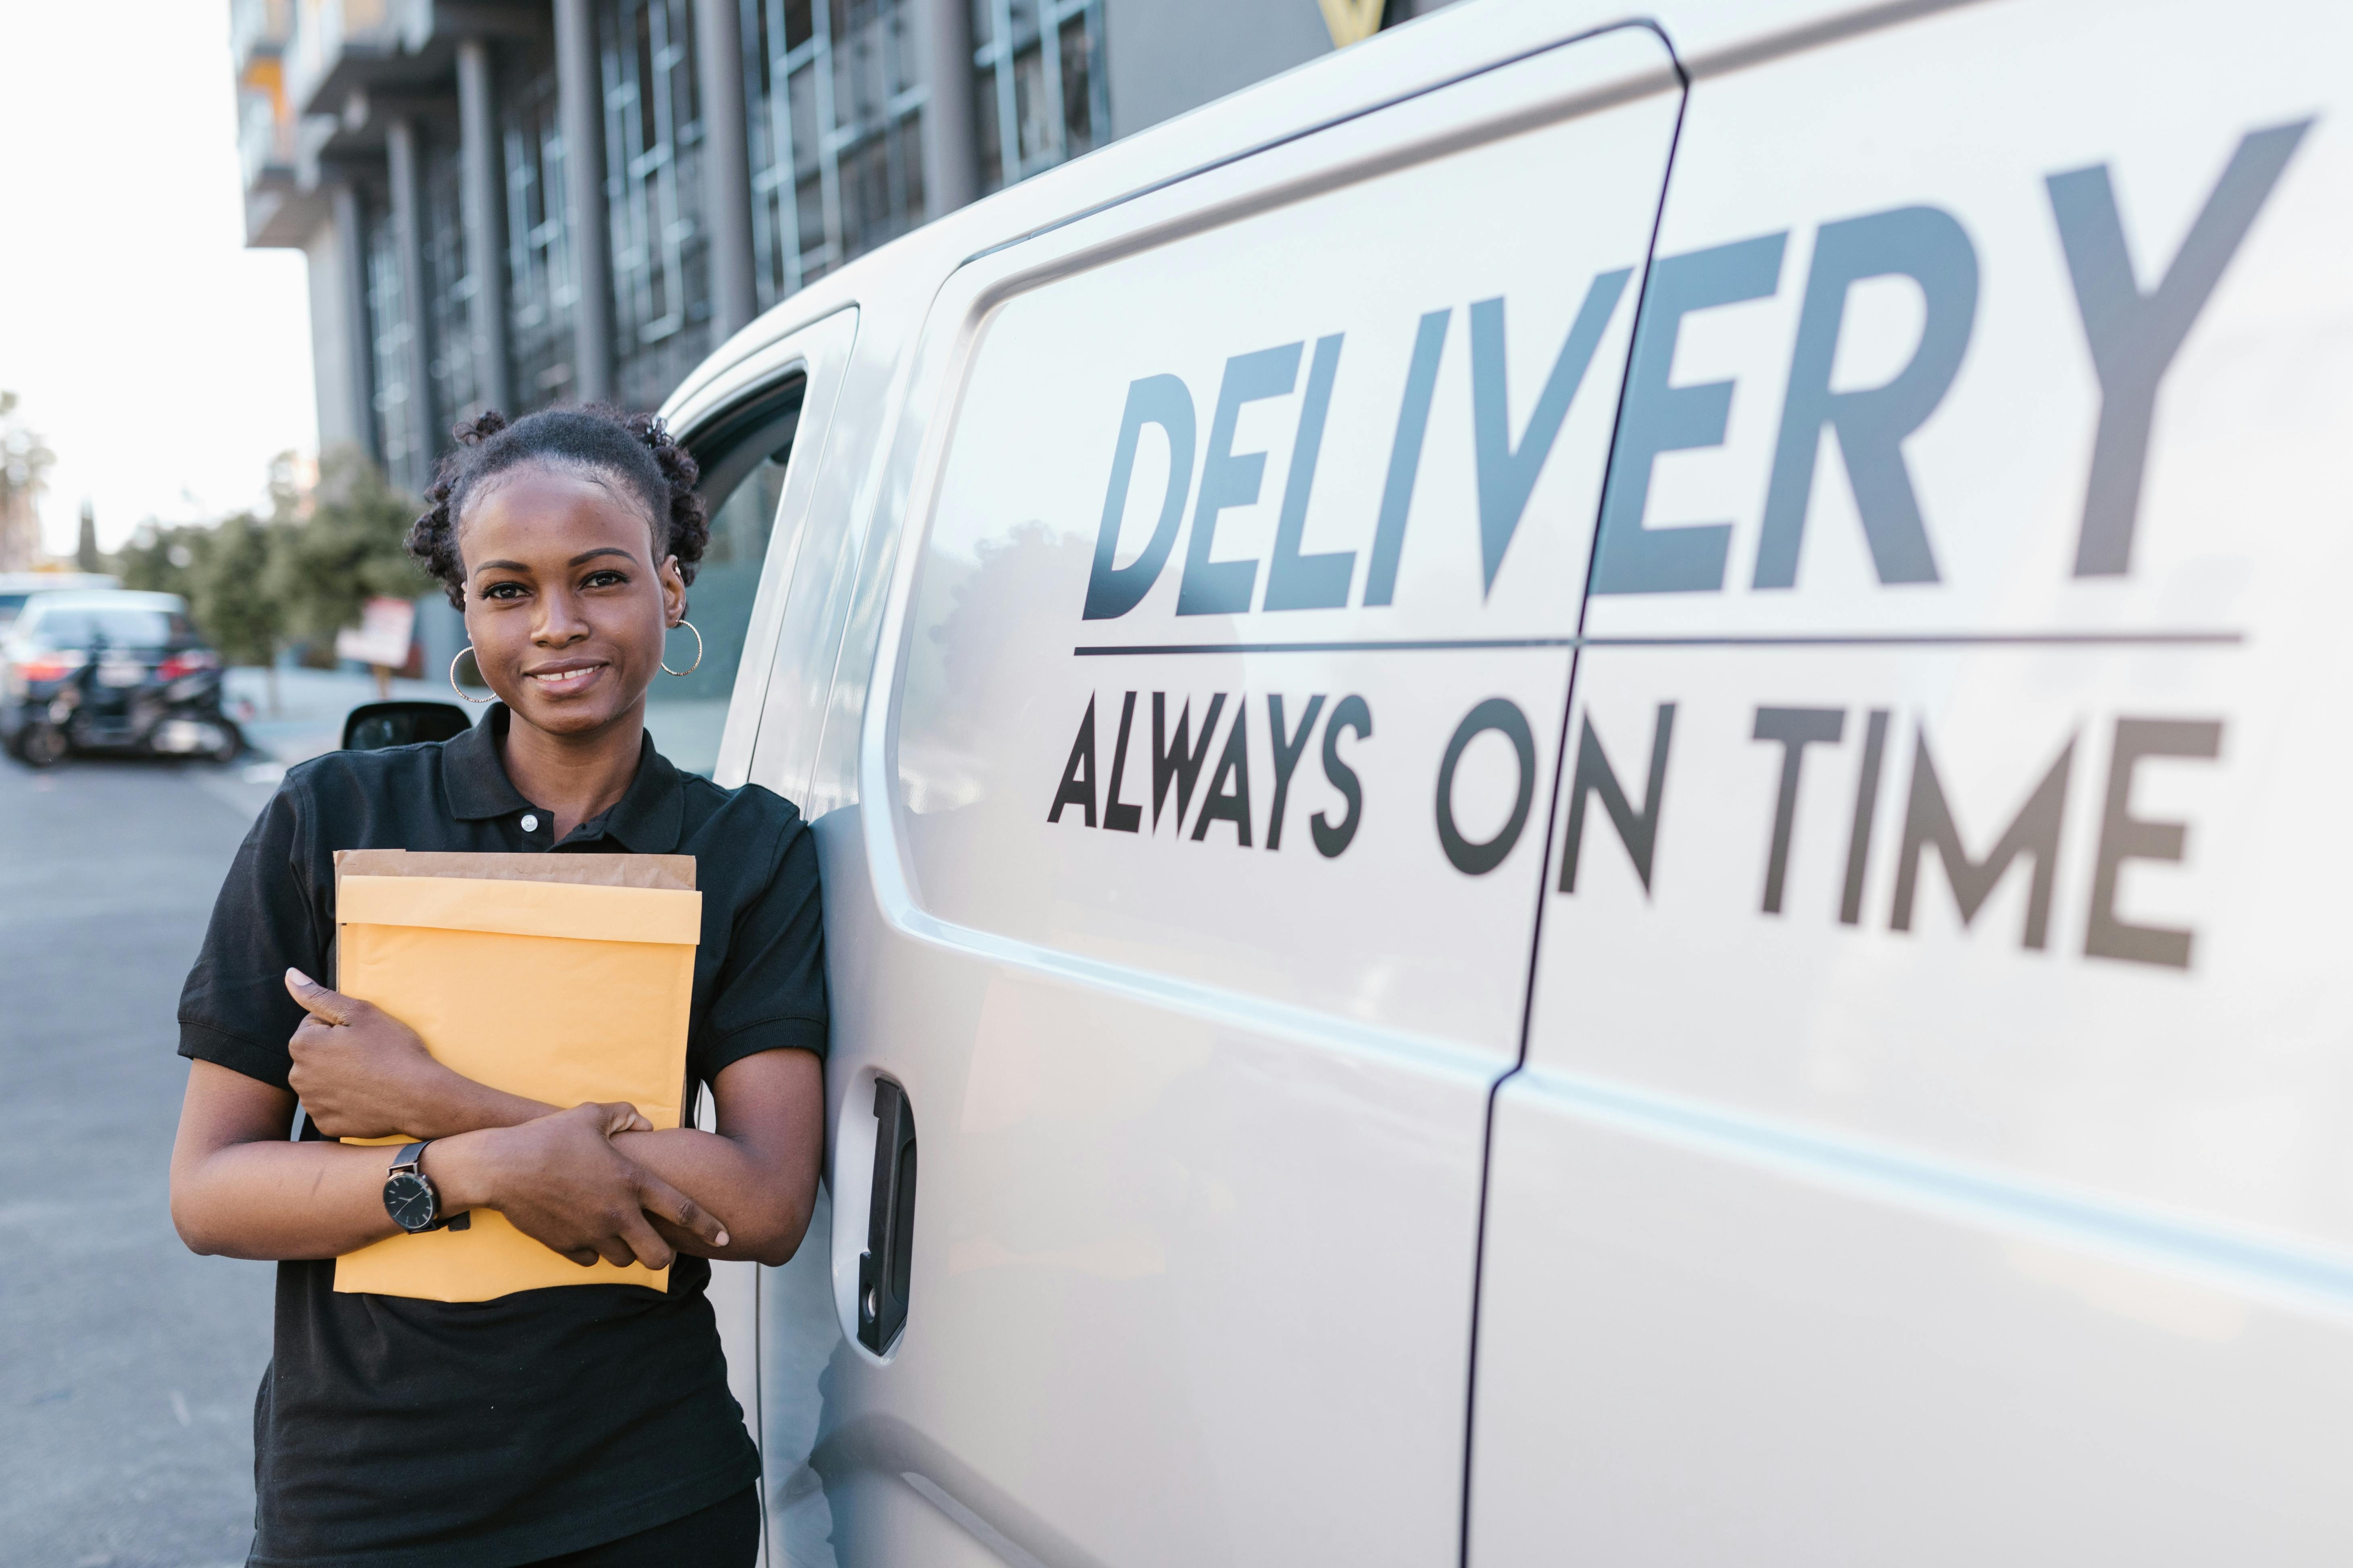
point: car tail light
(186, 662)
(50, 665)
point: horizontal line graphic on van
(2233, 1255)
(1761, 640)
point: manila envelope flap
(672, 871)
(588, 962)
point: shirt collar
(647, 820)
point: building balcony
(337, 46)
(281, 207)
(265, 137)
(258, 30)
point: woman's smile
(566, 677)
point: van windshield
(123, 627)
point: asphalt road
(127, 1364)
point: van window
(744, 482)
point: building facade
(512, 203)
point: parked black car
(111, 671)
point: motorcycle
(117, 702)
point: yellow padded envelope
(565, 990)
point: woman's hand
(362, 1073)
(560, 1181)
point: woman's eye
(504, 590)
(604, 580)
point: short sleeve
(770, 993)
(234, 1009)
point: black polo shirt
(391, 1432)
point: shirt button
(530, 823)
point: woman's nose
(560, 621)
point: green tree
(162, 560)
(325, 566)
(231, 598)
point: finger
(646, 1243)
(620, 1116)
(583, 1256)
(332, 1006)
(615, 1249)
(657, 1196)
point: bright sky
(164, 363)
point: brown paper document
(561, 977)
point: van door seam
(1552, 811)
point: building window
(653, 155)
(397, 418)
(540, 280)
(834, 132)
(1040, 91)
(456, 389)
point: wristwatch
(409, 1194)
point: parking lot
(131, 1364)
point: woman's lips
(566, 681)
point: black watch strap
(410, 1162)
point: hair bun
(482, 427)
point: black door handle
(882, 1267)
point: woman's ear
(673, 587)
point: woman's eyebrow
(501, 566)
(601, 550)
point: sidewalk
(312, 704)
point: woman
(585, 1424)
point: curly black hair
(630, 449)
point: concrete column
(359, 344)
(950, 151)
(486, 225)
(580, 93)
(726, 164)
(400, 157)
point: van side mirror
(372, 726)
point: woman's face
(564, 603)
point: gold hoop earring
(477, 701)
(691, 669)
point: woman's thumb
(328, 1007)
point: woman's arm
(759, 1170)
(240, 1188)
(362, 1073)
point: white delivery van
(1583, 794)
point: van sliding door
(1933, 1142)
(1185, 911)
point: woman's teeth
(564, 680)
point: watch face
(409, 1198)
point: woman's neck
(574, 777)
